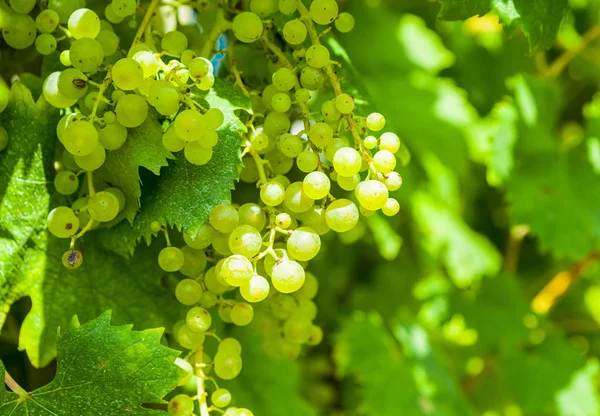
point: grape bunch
(316, 162)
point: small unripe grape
(304, 244)
(391, 207)
(344, 103)
(189, 339)
(230, 345)
(389, 142)
(188, 292)
(174, 43)
(245, 240)
(272, 193)
(281, 102)
(198, 319)
(287, 6)
(252, 214)
(316, 335)
(287, 276)
(290, 145)
(370, 142)
(224, 218)
(214, 118)
(375, 121)
(384, 161)
(45, 44)
(72, 259)
(284, 79)
(317, 56)
(347, 161)
(220, 397)
(227, 365)
(247, 27)
(201, 239)
(225, 313)
(197, 154)
(316, 185)
(348, 183)
(393, 181)
(103, 206)
(259, 141)
(311, 78)
(208, 299)
(297, 330)
(242, 314)
(283, 306)
(344, 22)
(283, 220)
(66, 182)
(342, 215)
(47, 21)
(294, 32)
(84, 23)
(237, 270)
(170, 259)
(155, 226)
(307, 161)
(320, 134)
(256, 289)
(330, 112)
(296, 200)
(194, 262)
(181, 405)
(371, 194)
(302, 95)
(309, 289)
(324, 12)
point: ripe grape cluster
(317, 164)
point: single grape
(287, 6)
(80, 137)
(72, 259)
(287, 276)
(227, 365)
(221, 244)
(315, 219)
(303, 244)
(200, 67)
(283, 220)
(72, 83)
(371, 194)
(311, 78)
(22, 6)
(64, 8)
(344, 103)
(224, 218)
(281, 102)
(167, 101)
(320, 134)
(93, 160)
(127, 74)
(109, 42)
(194, 262)
(198, 319)
(84, 23)
(174, 43)
(391, 207)
(284, 80)
(45, 44)
(370, 142)
(309, 289)
(348, 183)
(290, 145)
(342, 215)
(242, 314)
(213, 284)
(287, 350)
(111, 15)
(209, 139)
(316, 185)
(47, 21)
(245, 240)
(131, 110)
(19, 30)
(171, 141)
(103, 206)
(347, 161)
(307, 161)
(384, 161)
(62, 222)
(344, 22)
(393, 181)
(247, 27)
(214, 118)
(389, 142)
(317, 56)
(330, 112)
(237, 270)
(86, 54)
(155, 226)
(283, 306)
(123, 8)
(196, 154)
(201, 239)
(302, 95)
(112, 136)
(272, 193)
(220, 397)
(256, 289)
(230, 345)
(252, 214)
(296, 200)
(208, 299)
(189, 339)
(375, 122)
(189, 125)
(187, 56)
(170, 259)
(276, 124)
(279, 163)
(263, 8)
(52, 93)
(66, 182)
(324, 12)
(206, 83)
(316, 335)
(297, 330)
(294, 32)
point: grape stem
(13, 385)
(200, 383)
(90, 181)
(260, 163)
(220, 26)
(81, 233)
(145, 22)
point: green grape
(103, 206)
(112, 136)
(90, 100)
(245, 240)
(242, 314)
(276, 124)
(279, 163)
(214, 118)
(307, 161)
(111, 15)
(375, 122)
(208, 299)
(189, 125)
(189, 339)
(62, 222)
(227, 365)
(72, 83)
(320, 134)
(282, 180)
(344, 103)
(47, 21)
(370, 142)
(213, 284)
(3, 138)
(391, 207)
(206, 83)
(66, 182)
(22, 6)
(296, 200)
(247, 27)
(252, 214)
(347, 161)
(256, 289)
(187, 367)
(231, 411)
(302, 95)
(201, 239)
(119, 195)
(384, 161)
(170, 259)
(127, 74)
(86, 54)
(287, 349)
(45, 44)
(209, 139)
(393, 181)
(174, 43)
(188, 292)
(307, 309)
(287, 6)
(62, 123)
(171, 141)
(116, 95)
(93, 160)
(316, 335)
(317, 56)
(270, 260)
(230, 345)
(311, 78)
(181, 405)
(342, 215)
(123, 8)
(196, 154)
(297, 330)
(389, 142)
(299, 55)
(331, 149)
(303, 244)
(187, 56)
(330, 112)
(194, 262)
(263, 8)
(52, 93)
(272, 193)
(64, 8)
(344, 22)
(105, 25)
(19, 30)
(366, 212)
(244, 412)
(295, 32)
(348, 183)
(221, 244)
(323, 12)
(72, 259)
(281, 102)
(290, 145)
(309, 289)
(84, 23)
(237, 270)
(147, 61)
(283, 220)
(220, 397)
(80, 137)
(198, 319)
(283, 306)
(79, 207)
(371, 194)
(315, 219)
(224, 218)
(138, 47)
(287, 276)
(200, 67)
(4, 96)
(131, 110)
(167, 101)
(155, 226)
(316, 185)
(284, 80)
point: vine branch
(559, 65)
(13, 385)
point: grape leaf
(184, 194)
(143, 148)
(580, 396)
(110, 369)
(539, 20)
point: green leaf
(580, 396)
(143, 148)
(539, 20)
(184, 194)
(466, 254)
(112, 370)
(387, 239)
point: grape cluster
(318, 164)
